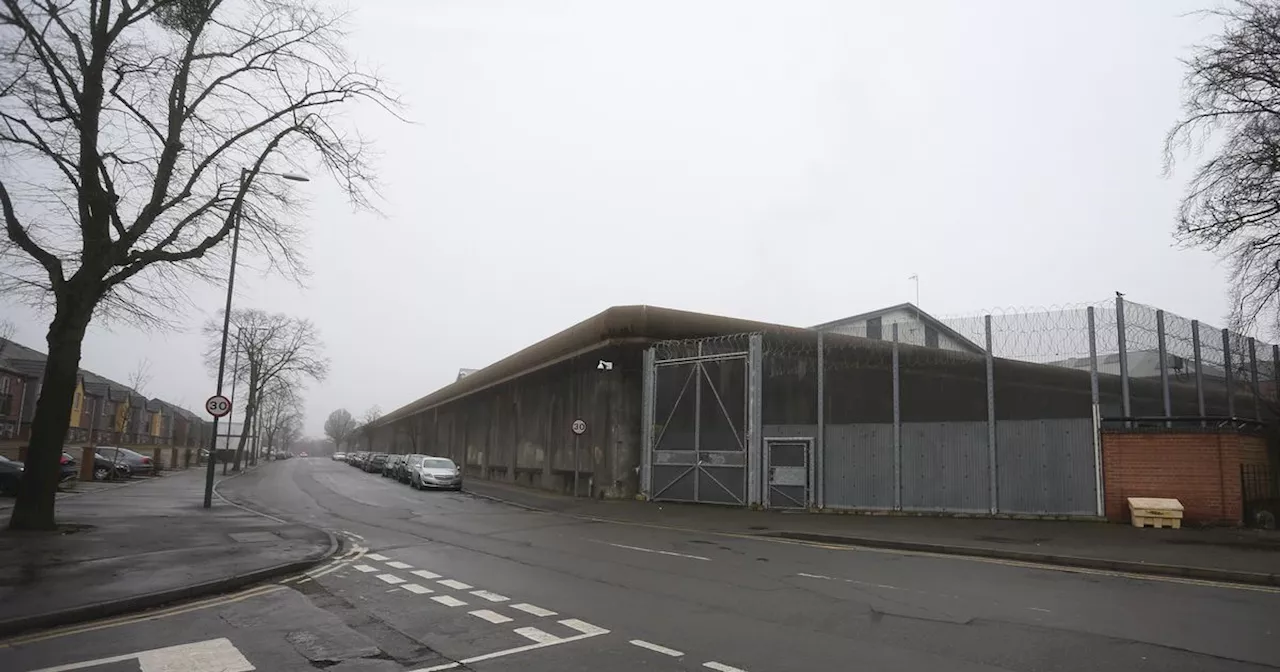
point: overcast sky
(791, 162)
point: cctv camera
(605, 366)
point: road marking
(506, 652)
(396, 564)
(415, 588)
(583, 627)
(376, 556)
(330, 570)
(530, 609)
(537, 635)
(449, 600)
(214, 655)
(148, 616)
(655, 647)
(456, 585)
(654, 550)
(492, 597)
(860, 583)
(425, 574)
(491, 616)
(1039, 609)
(365, 568)
(390, 578)
(721, 667)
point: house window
(875, 329)
(930, 337)
(6, 404)
(4, 385)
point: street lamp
(226, 318)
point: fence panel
(1046, 466)
(858, 466)
(945, 467)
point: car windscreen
(437, 463)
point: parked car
(10, 474)
(406, 466)
(340, 457)
(302, 454)
(373, 464)
(358, 458)
(70, 468)
(139, 464)
(389, 467)
(104, 469)
(436, 472)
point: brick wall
(1199, 469)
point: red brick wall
(1201, 470)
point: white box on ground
(1155, 511)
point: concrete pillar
(173, 458)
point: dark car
(69, 467)
(106, 470)
(10, 474)
(391, 465)
(373, 464)
(359, 459)
(406, 467)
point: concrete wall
(519, 430)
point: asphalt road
(441, 580)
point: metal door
(787, 483)
(700, 452)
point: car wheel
(101, 474)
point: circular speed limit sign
(579, 427)
(218, 405)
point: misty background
(791, 162)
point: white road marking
(506, 652)
(1039, 609)
(583, 627)
(492, 597)
(390, 578)
(376, 556)
(305, 580)
(491, 616)
(365, 568)
(530, 609)
(396, 564)
(415, 588)
(456, 585)
(425, 574)
(214, 655)
(721, 667)
(654, 550)
(537, 635)
(655, 647)
(449, 600)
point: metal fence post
(1097, 409)
(993, 492)
(820, 445)
(1164, 367)
(649, 389)
(1226, 373)
(1275, 373)
(698, 374)
(897, 427)
(755, 457)
(1195, 352)
(1253, 378)
(1124, 360)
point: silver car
(436, 472)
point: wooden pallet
(1156, 521)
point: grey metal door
(787, 480)
(699, 446)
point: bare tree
(139, 130)
(412, 430)
(371, 416)
(272, 348)
(141, 376)
(281, 410)
(1232, 205)
(7, 329)
(339, 426)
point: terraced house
(103, 413)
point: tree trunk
(34, 508)
(249, 410)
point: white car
(436, 472)
(339, 456)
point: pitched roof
(909, 307)
(20, 359)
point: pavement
(1215, 554)
(139, 544)
(435, 581)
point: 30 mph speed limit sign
(218, 405)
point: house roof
(20, 359)
(908, 307)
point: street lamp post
(226, 320)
